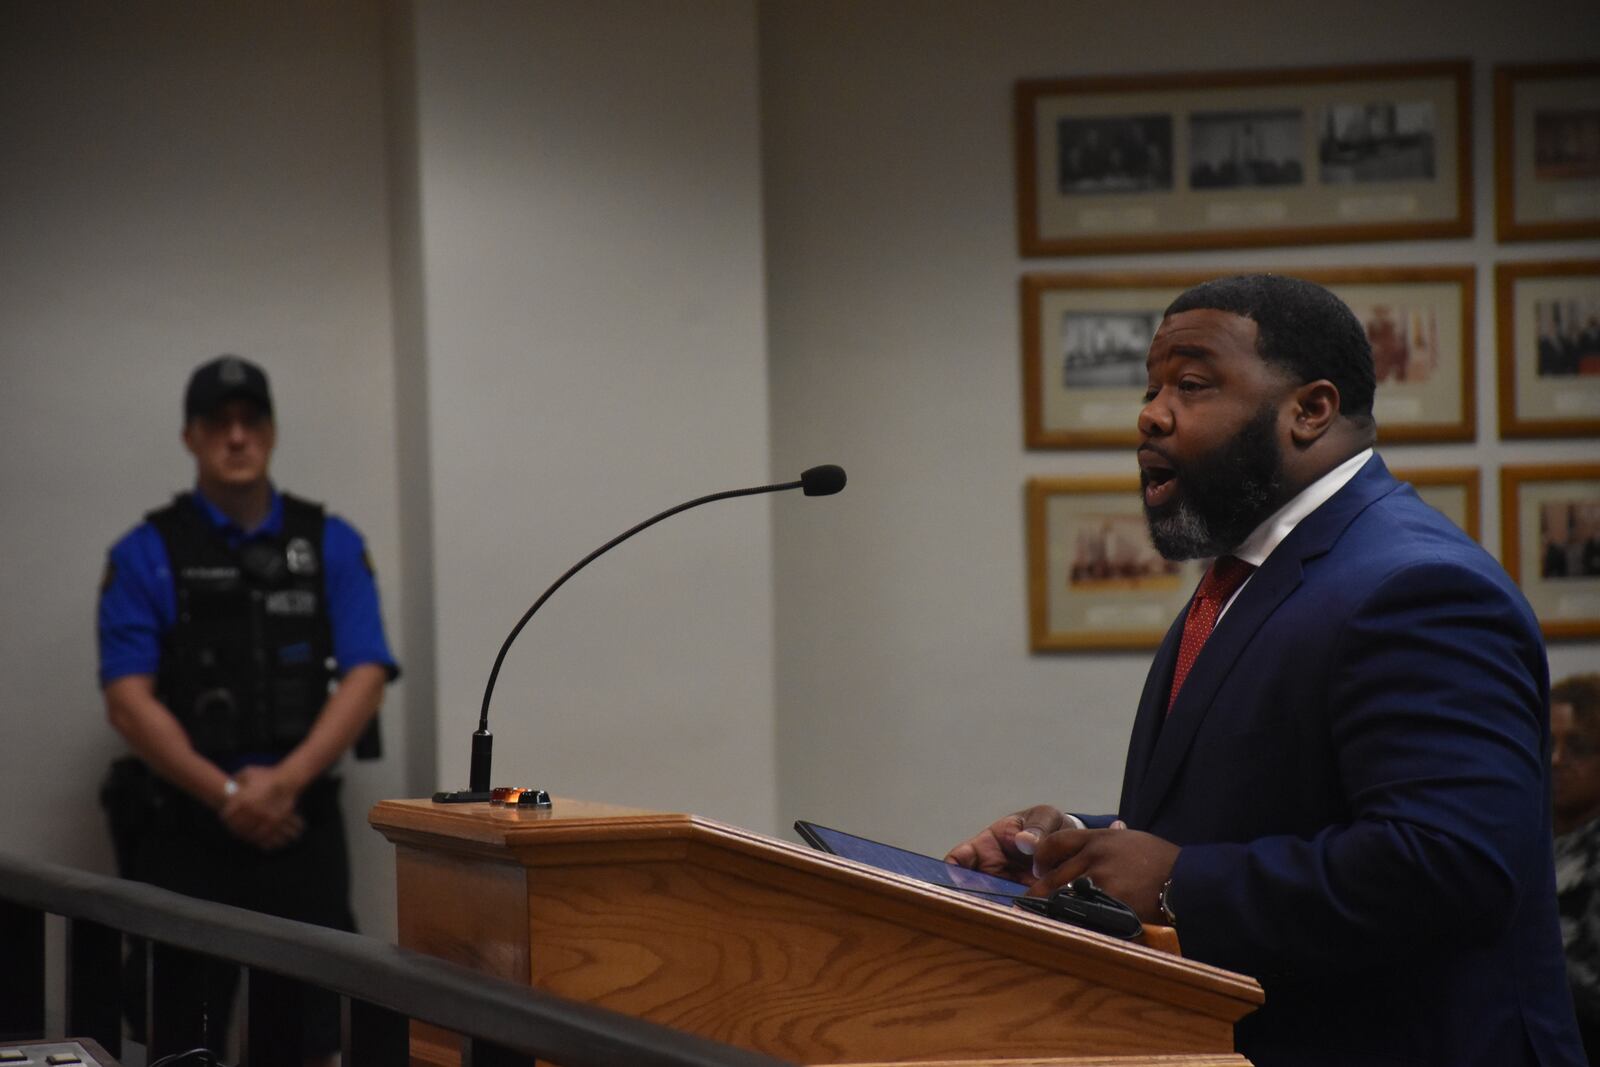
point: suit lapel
(1267, 588)
(1167, 739)
(1147, 723)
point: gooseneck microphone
(816, 481)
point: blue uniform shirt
(139, 601)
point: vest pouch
(215, 722)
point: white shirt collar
(1255, 549)
(1272, 532)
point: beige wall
(590, 216)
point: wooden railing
(382, 987)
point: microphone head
(822, 481)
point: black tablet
(1079, 903)
(911, 864)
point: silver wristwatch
(1164, 903)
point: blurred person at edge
(1575, 793)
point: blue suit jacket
(1357, 770)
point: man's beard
(1222, 496)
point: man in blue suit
(1337, 779)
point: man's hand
(1006, 847)
(1129, 864)
(262, 812)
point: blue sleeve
(353, 600)
(137, 605)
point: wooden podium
(795, 953)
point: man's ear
(186, 437)
(1315, 408)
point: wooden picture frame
(1547, 341)
(1550, 543)
(1084, 338)
(1234, 159)
(1547, 151)
(1095, 582)
(1453, 491)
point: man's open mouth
(1157, 478)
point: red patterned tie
(1222, 580)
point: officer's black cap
(221, 380)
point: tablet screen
(911, 864)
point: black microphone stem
(482, 739)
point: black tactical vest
(249, 664)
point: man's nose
(1155, 419)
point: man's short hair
(1300, 327)
(1582, 691)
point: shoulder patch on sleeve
(366, 561)
(108, 576)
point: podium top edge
(579, 831)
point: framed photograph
(1547, 151)
(1094, 579)
(1547, 324)
(1223, 160)
(1453, 491)
(1085, 336)
(1550, 542)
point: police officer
(241, 654)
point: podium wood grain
(739, 937)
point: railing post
(273, 1010)
(94, 983)
(186, 997)
(22, 977)
(374, 1036)
(476, 1053)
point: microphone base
(461, 796)
(526, 798)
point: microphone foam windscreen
(822, 481)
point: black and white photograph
(1242, 158)
(1085, 336)
(1121, 154)
(1230, 149)
(1378, 142)
(1106, 349)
